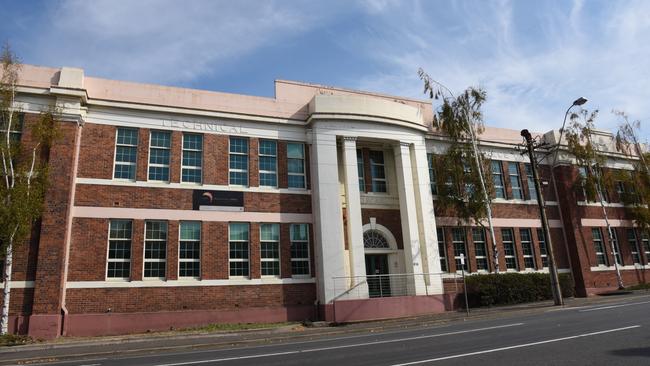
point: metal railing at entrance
(392, 285)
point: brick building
(172, 207)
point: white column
(426, 219)
(409, 217)
(354, 223)
(328, 218)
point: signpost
(462, 268)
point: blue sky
(532, 57)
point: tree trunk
(4, 319)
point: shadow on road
(632, 352)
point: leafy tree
(593, 179)
(463, 189)
(23, 169)
(635, 184)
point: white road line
(340, 347)
(614, 306)
(516, 346)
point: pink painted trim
(155, 214)
(453, 221)
(601, 223)
(85, 325)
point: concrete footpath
(73, 348)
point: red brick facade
(57, 295)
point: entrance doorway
(377, 272)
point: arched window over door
(373, 239)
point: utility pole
(552, 269)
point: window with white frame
(616, 250)
(432, 175)
(480, 249)
(360, 171)
(189, 249)
(530, 180)
(126, 152)
(155, 249)
(16, 128)
(119, 249)
(497, 179)
(268, 163)
(634, 246)
(460, 247)
(515, 181)
(378, 171)
(527, 248)
(299, 249)
(270, 249)
(442, 250)
(238, 161)
(159, 150)
(599, 247)
(296, 164)
(238, 251)
(543, 253)
(645, 243)
(509, 249)
(191, 170)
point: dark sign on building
(218, 200)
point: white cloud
(532, 60)
(165, 41)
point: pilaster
(354, 220)
(409, 216)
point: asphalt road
(614, 333)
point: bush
(513, 288)
(14, 340)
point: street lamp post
(555, 283)
(557, 295)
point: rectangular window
(527, 248)
(159, 149)
(268, 163)
(442, 250)
(238, 161)
(189, 249)
(432, 175)
(616, 249)
(16, 129)
(480, 250)
(191, 169)
(126, 151)
(634, 246)
(270, 249)
(599, 248)
(509, 250)
(460, 247)
(530, 181)
(299, 249)
(360, 171)
(378, 172)
(497, 179)
(238, 251)
(515, 182)
(543, 253)
(155, 249)
(296, 164)
(645, 243)
(119, 249)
